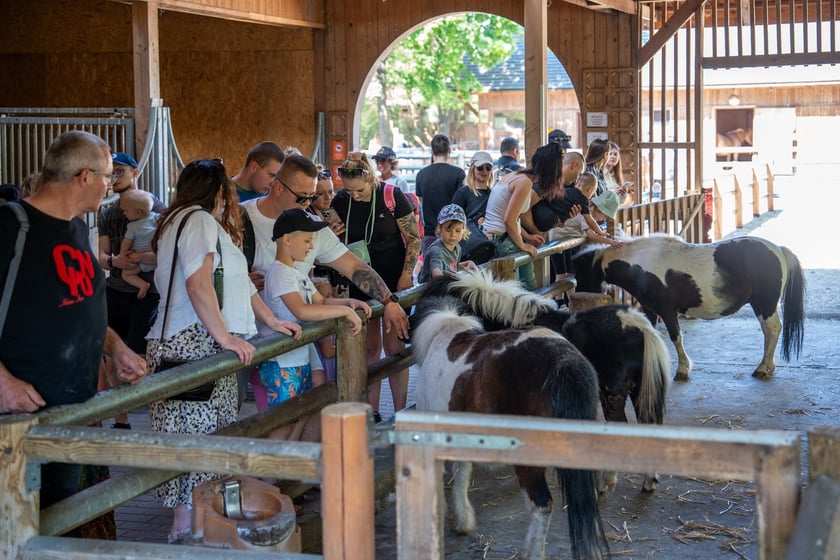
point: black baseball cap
(294, 220)
(561, 138)
(385, 152)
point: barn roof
(510, 74)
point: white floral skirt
(190, 417)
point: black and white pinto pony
(629, 356)
(532, 372)
(669, 276)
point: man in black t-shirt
(435, 184)
(55, 332)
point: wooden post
(347, 483)
(739, 203)
(19, 505)
(717, 219)
(817, 533)
(351, 374)
(145, 37)
(419, 502)
(771, 204)
(824, 451)
(756, 195)
(777, 499)
(536, 81)
(503, 268)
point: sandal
(181, 536)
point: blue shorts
(281, 384)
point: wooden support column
(777, 499)
(536, 81)
(18, 505)
(503, 268)
(351, 375)
(817, 533)
(347, 483)
(419, 502)
(146, 41)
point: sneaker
(120, 426)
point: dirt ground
(691, 518)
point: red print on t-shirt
(74, 268)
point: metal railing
(26, 133)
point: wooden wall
(360, 32)
(229, 85)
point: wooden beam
(536, 80)
(623, 6)
(66, 548)
(770, 60)
(201, 9)
(664, 33)
(160, 450)
(146, 41)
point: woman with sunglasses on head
(392, 241)
(207, 305)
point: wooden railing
(343, 464)
(745, 193)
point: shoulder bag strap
(14, 265)
(388, 194)
(249, 243)
(172, 271)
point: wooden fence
(343, 462)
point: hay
(695, 531)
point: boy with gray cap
(444, 254)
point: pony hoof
(650, 483)
(762, 374)
(681, 376)
(607, 482)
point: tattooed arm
(368, 281)
(408, 228)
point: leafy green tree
(425, 85)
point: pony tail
(793, 302)
(575, 396)
(656, 367)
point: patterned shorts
(283, 383)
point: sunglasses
(351, 173)
(485, 167)
(209, 163)
(299, 198)
(324, 174)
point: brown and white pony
(629, 356)
(533, 372)
(669, 276)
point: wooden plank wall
(229, 85)
(361, 32)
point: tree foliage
(426, 85)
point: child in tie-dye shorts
(291, 295)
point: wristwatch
(393, 298)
